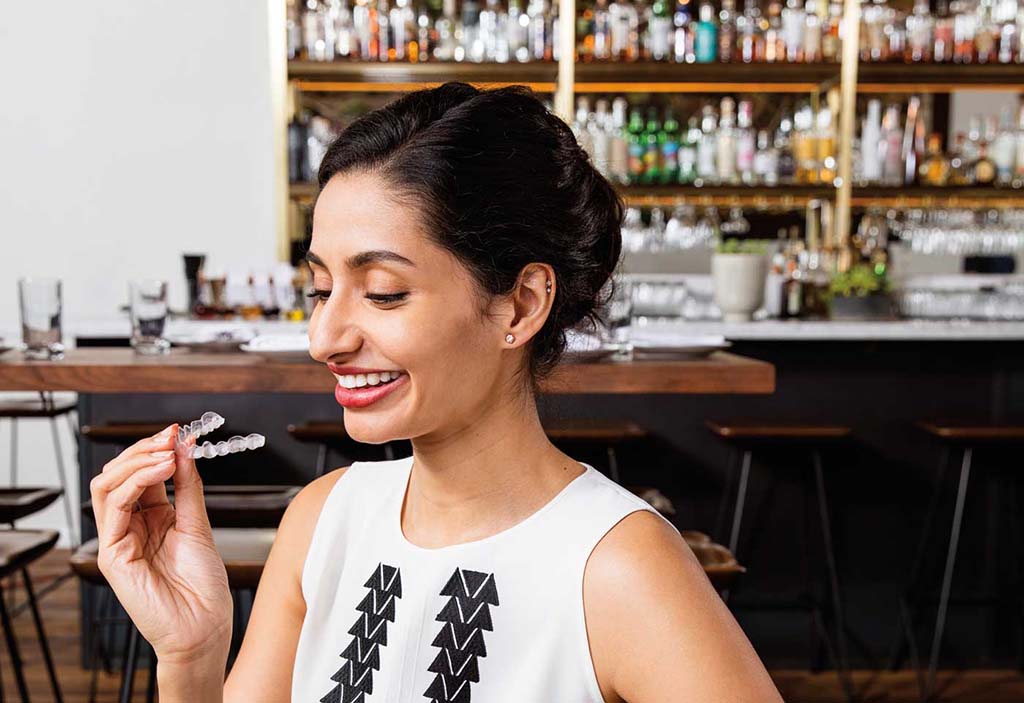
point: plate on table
(582, 347)
(222, 341)
(676, 346)
(279, 347)
(4, 347)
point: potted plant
(738, 270)
(862, 293)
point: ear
(529, 304)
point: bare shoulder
(658, 631)
(304, 510)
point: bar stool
(744, 438)
(610, 435)
(244, 551)
(962, 438)
(46, 406)
(719, 564)
(330, 435)
(19, 549)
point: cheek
(440, 349)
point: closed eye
(384, 298)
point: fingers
(189, 503)
(115, 514)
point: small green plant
(734, 245)
(861, 280)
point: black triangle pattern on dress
(465, 617)
(362, 655)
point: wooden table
(122, 371)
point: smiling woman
(458, 234)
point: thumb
(189, 503)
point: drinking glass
(148, 303)
(617, 314)
(41, 304)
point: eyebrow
(364, 258)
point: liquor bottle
(784, 147)
(727, 31)
(472, 47)
(890, 147)
(983, 168)
(706, 38)
(659, 31)
(805, 146)
(959, 167)
(618, 150)
(746, 145)
(908, 150)
(363, 29)
(683, 28)
(313, 31)
(813, 31)
(1004, 148)
(707, 168)
(624, 22)
(1019, 168)
(725, 156)
(825, 146)
(688, 143)
(385, 48)
(986, 34)
(600, 137)
(652, 150)
(445, 30)
(517, 32)
(793, 20)
(766, 160)
(792, 282)
(964, 28)
(874, 45)
(554, 33)
(934, 169)
(970, 145)
(486, 47)
(920, 40)
(668, 140)
(601, 37)
(870, 143)
(424, 45)
(774, 37)
(345, 44)
(830, 44)
(943, 34)
(748, 31)
(293, 29)
(636, 146)
(579, 126)
(403, 28)
(330, 10)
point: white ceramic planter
(738, 281)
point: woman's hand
(160, 559)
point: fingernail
(163, 454)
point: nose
(331, 332)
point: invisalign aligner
(208, 450)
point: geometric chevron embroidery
(369, 633)
(465, 616)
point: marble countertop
(838, 330)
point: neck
(482, 477)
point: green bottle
(652, 149)
(636, 146)
(688, 151)
(668, 139)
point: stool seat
(974, 432)
(16, 503)
(593, 430)
(19, 548)
(765, 430)
(34, 408)
(243, 550)
(123, 432)
(237, 506)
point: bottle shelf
(937, 196)
(938, 77)
(303, 192)
(403, 76)
(786, 197)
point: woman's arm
(658, 631)
(263, 669)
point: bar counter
(104, 370)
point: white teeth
(370, 379)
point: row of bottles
(961, 31)
(896, 149)
(309, 135)
(680, 31)
(716, 146)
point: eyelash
(382, 298)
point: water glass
(41, 304)
(617, 314)
(148, 304)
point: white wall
(130, 132)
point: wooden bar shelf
(383, 76)
(937, 196)
(938, 77)
(769, 197)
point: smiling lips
(358, 390)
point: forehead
(355, 212)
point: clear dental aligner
(208, 450)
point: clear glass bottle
(746, 143)
(784, 147)
(1004, 148)
(725, 146)
(403, 28)
(314, 31)
(385, 48)
(625, 26)
(540, 40)
(986, 34)
(920, 40)
(890, 147)
(727, 32)
(424, 33)
(749, 38)
(683, 27)
(1018, 174)
(831, 46)
(774, 37)
(444, 28)
(601, 37)
(825, 144)
(486, 47)
(942, 34)
(618, 150)
(707, 149)
(659, 31)
(959, 167)
(688, 143)
(345, 43)
(766, 160)
(870, 143)
(812, 31)
(874, 45)
(794, 18)
(805, 146)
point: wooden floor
(60, 615)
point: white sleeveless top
(497, 620)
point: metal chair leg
(613, 465)
(833, 575)
(389, 452)
(14, 452)
(43, 643)
(66, 497)
(12, 649)
(723, 504)
(130, 656)
(947, 577)
(321, 459)
(741, 501)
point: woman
(458, 234)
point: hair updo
(499, 182)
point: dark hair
(500, 182)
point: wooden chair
(330, 435)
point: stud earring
(548, 286)
(510, 338)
